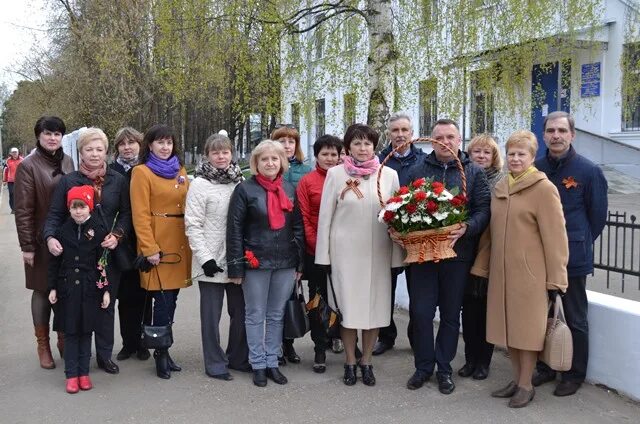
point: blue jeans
(164, 306)
(266, 292)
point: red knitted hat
(84, 193)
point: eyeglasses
(285, 126)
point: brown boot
(61, 344)
(44, 350)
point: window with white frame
(428, 105)
(631, 87)
(482, 108)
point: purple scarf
(168, 169)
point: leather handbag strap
(146, 297)
(333, 292)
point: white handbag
(558, 344)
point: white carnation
(393, 206)
(416, 218)
(445, 195)
(404, 219)
(440, 215)
(427, 219)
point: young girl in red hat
(77, 286)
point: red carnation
(388, 216)
(403, 190)
(396, 199)
(459, 200)
(411, 208)
(418, 183)
(432, 206)
(420, 196)
(438, 187)
(248, 254)
(254, 263)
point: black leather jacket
(248, 228)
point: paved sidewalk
(29, 394)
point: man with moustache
(399, 131)
(583, 193)
(442, 284)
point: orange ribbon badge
(570, 182)
(352, 185)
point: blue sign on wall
(590, 81)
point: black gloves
(325, 268)
(210, 268)
(141, 263)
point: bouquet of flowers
(421, 215)
(422, 205)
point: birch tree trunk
(381, 64)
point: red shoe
(72, 385)
(85, 382)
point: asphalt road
(29, 394)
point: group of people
(527, 237)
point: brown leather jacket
(34, 187)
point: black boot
(172, 365)
(162, 363)
(289, 352)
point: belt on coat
(168, 215)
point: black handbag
(322, 316)
(156, 336)
(296, 322)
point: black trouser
(10, 188)
(77, 354)
(216, 360)
(436, 285)
(477, 351)
(576, 306)
(106, 317)
(388, 334)
(132, 309)
(317, 279)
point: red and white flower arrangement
(423, 205)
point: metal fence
(617, 250)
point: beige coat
(524, 252)
(151, 197)
(358, 248)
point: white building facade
(325, 82)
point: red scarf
(277, 201)
(96, 175)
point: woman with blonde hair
(484, 152)
(113, 209)
(264, 218)
(524, 254)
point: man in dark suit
(583, 193)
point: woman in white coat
(355, 247)
(206, 227)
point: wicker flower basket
(426, 245)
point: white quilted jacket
(205, 219)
